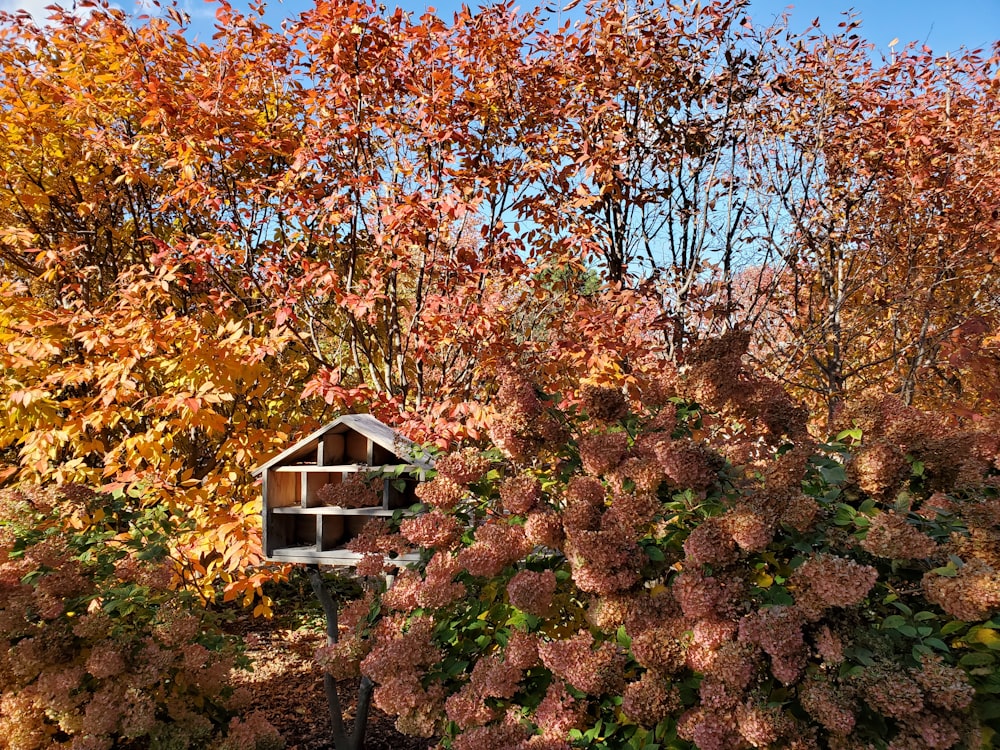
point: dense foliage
(96, 649)
(205, 247)
(691, 570)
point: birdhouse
(319, 493)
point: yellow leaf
(763, 580)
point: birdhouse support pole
(341, 739)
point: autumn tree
(883, 229)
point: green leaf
(977, 659)
(854, 433)
(893, 621)
(654, 553)
(902, 608)
(833, 474)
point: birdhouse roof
(365, 424)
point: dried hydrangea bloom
(439, 589)
(936, 505)
(467, 709)
(981, 544)
(701, 596)
(544, 529)
(408, 652)
(778, 632)
(800, 512)
(825, 581)
(929, 730)
(828, 645)
(751, 524)
(533, 592)
(343, 658)
(354, 491)
(494, 676)
(712, 632)
(603, 562)
(441, 492)
(734, 664)
(650, 699)
(417, 708)
(502, 736)
(659, 649)
(710, 544)
(944, 686)
(595, 671)
(520, 494)
(355, 613)
(828, 706)
(105, 660)
(786, 472)
(496, 546)
(631, 513)
(559, 712)
(645, 475)
(376, 536)
(762, 725)
(602, 451)
(434, 530)
(371, 564)
(462, 467)
(688, 466)
(879, 468)
(709, 730)
(717, 695)
(891, 691)
(891, 535)
(972, 594)
(518, 398)
(652, 607)
(584, 504)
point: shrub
(96, 648)
(621, 584)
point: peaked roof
(378, 432)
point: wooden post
(341, 739)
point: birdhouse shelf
(319, 493)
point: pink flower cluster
(559, 712)
(601, 452)
(533, 592)
(973, 593)
(520, 494)
(891, 535)
(462, 467)
(400, 657)
(595, 671)
(497, 545)
(778, 632)
(603, 404)
(433, 530)
(493, 676)
(436, 589)
(355, 491)
(650, 699)
(825, 581)
(441, 492)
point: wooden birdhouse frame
(302, 522)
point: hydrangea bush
(96, 648)
(686, 567)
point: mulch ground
(287, 687)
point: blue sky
(944, 25)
